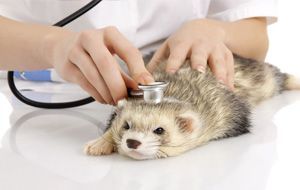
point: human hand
(86, 58)
(201, 41)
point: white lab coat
(144, 22)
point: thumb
(158, 56)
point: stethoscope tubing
(59, 105)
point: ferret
(196, 109)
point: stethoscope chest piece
(153, 92)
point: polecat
(196, 109)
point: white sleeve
(232, 10)
(14, 10)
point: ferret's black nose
(131, 143)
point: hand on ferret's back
(208, 42)
(201, 42)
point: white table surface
(42, 149)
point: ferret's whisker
(154, 143)
(190, 142)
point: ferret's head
(147, 130)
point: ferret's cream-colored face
(148, 131)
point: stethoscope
(149, 93)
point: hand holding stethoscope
(86, 58)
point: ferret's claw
(98, 147)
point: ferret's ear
(188, 121)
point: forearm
(247, 37)
(23, 46)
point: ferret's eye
(159, 131)
(126, 126)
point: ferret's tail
(292, 83)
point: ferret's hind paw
(98, 147)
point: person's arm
(85, 58)
(22, 45)
(211, 42)
(247, 37)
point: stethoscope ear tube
(24, 99)
(10, 74)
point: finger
(131, 55)
(79, 78)
(130, 83)
(199, 58)
(84, 62)
(217, 64)
(158, 57)
(230, 68)
(177, 56)
(108, 68)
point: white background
(46, 153)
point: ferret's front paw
(99, 147)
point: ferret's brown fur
(196, 109)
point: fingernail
(200, 68)
(148, 79)
(222, 81)
(232, 87)
(143, 79)
(231, 84)
(172, 71)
